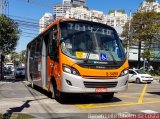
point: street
(16, 96)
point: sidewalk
(156, 77)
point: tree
(14, 56)
(22, 56)
(150, 0)
(9, 34)
(144, 27)
(147, 54)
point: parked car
(19, 72)
(7, 70)
(10, 66)
(139, 76)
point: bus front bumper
(78, 84)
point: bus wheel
(108, 96)
(62, 98)
(59, 96)
(53, 89)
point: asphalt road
(18, 99)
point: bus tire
(57, 95)
(108, 96)
(53, 89)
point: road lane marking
(126, 97)
(85, 106)
(101, 106)
(151, 102)
(140, 100)
(114, 105)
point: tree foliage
(144, 27)
(22, 56)
(17, 58)
(150, 0)
(147, 54)
(9, 34)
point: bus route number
(84, 27)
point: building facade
(116, 19)
(45, 21)
(85, 14)
(61, 9)
(147, 6)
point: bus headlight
(124, 72)
(71, 70)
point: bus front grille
(100, 84)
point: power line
(29, 29)
(39, 4)
(27, 36)
(24, 18)
(29, 33)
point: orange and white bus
(77, 56)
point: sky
(31, 12)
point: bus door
(28, 65)
(44, 61)
(53, 57)
(32, 65)
(37, 61)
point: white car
(139, 76)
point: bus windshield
(91, 41)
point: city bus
(77, 57)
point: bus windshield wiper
(115, 62)
(89, 52)
(88, 55)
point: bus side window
(32, 49)
(38, 48)
(53, 44)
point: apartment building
(61, 9)
(149, 5)
(45, 21)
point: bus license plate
(100, 90)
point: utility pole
(139, 48)
(129, 33)
(139, 54)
